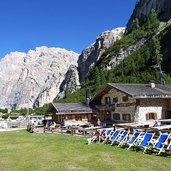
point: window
(107, 100)
(116, 116)
(66, 118)
(126, 117)
(151, 116)
(78, 117)
(125, 98)
(167, 115)
(69, 117)
(115, 99)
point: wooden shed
(70, 114)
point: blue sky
(69, 24)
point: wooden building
(70, 114)
(133, 102)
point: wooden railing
(105, 107)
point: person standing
(99, 122)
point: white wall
(74, 122)
(157, 106)
(144, 110)
(138, 113)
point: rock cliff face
(123, 53)
(91, 54)
(34, 79)
(144, 7)
(70, 83)
(37, 77)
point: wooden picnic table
(162, 127)
(84, 130)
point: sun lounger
(114, 136)
(108, 132)
(91, 140)
(162, 127)
(144, 143)
(132, 141)
(96, 136)
(122, 138)
(105, 135)
(169, 147)
(161, 141)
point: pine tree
(86, 82)
(66, 92)
(156, 52)
(157, 57)
(97, 78)
(147, 55)
(153, 23)
(109, 76)
(136, 24)
(102, 77)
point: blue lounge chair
(102, 131)
(144, 143)
(161, 141)
(107, 135)
(108, 132)
(131, 142)
(95, 136)
(114, 136)
(123, 137)
(169, 147)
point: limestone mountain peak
(33, 78)
(92, 53)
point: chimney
(87, 97)
(87, 101)
(152, 84)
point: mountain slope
(141, 55)
(33, 79)
(143, 8)
(92, 54)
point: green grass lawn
(22, 151)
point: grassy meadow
(23, 151)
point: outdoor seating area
(56, 151)
(73, 130)
(147, 142)
(149, 137)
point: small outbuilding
(71, 114)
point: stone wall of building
(121, 107)
(158, 106)
(137, 110)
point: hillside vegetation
(150, 62)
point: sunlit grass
(22, 151)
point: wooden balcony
(169, 104)
(106, 107)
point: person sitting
(52, 126)
(94, 138)
(102, 137)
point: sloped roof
(137, 91)
(72, 107)
(144, 90)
